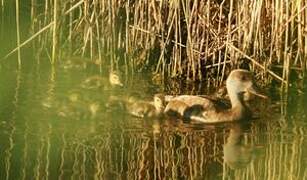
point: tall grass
(195, 39)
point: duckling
(96, 81)
(114, 79)
(208, 110)
(79, 63)
(77, 105)
(144, 109)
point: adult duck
(208, 110)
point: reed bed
(195, 40)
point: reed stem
(18, 33)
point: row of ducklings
(239, 85)
(82, 105)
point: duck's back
(181, 104)
(191, 100)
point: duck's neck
(159, 109)
(236, 99)
(238, 107)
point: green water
(49, 130)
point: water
(48, 131)
(53, 128)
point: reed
(194, 40)
(55, 31)
(18, 32)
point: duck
(209, 110)
(146, 109)
(96, 81)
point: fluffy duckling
(96, 81)
(144, 109)
(208, 110)
(114, 79)
(79, 63)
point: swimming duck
(208, 110)
(145, 109)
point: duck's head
(159, 101)
(114, 79)
(241, 81)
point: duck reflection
(237, 154)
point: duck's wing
(221, 104)
(175, 108)
(200, 108)
(192, 100)
(188, 105)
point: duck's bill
(119, 84)
(255, 92)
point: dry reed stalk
(165, 42)
(29, 40)
(257, 64)
(227, 39)
(219, 40)
(70, 31)
(55, 32)
(18, 33)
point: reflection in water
(236, 153)
(38, 143)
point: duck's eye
(244, 78)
